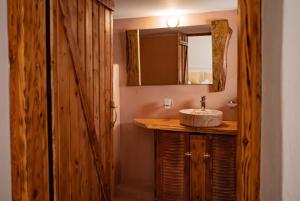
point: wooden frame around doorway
(249, 89)
(28, 100)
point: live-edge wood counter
(227, 128)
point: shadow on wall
(271, 152)
(137, 151)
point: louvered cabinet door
(172, 169)
(223, 168)
(199, 173)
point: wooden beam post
(249, 83)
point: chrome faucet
(203, 104)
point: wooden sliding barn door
(81, 61)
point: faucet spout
(203, 103)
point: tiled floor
(130, 193)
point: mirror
(178, 56)
(200, 59)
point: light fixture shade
(173, 22)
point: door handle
(188, 154)
(115, 115)
(206, 156)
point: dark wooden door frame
(249, 84)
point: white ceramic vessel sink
(199, 118)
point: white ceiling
(145, 8)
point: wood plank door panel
(172, 170)
(81, 58)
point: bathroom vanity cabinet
(193, 164)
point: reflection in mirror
(176, 56)
(159, 57)
(190, 55)
(200, 59)
(170, 56)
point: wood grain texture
(95, 83)
(54, 91)
(198, 167)
(102, 85)
(227, 128)
(81, 69)
(86, 96)
(172, 171)
(183, 77)
(28, 100)
(207, 171)
(223, 168)
(249, 83)
(110, 4)
(87, 171)
(159, 58)
(108, 83)
(221, 33)
(133, 58)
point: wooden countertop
(227, 128)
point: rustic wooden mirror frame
(22, 92)
(220, 33)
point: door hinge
(184, 43)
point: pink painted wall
(136, 144)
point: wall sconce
(173, 22)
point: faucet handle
(203, 98)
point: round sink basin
(199, 118)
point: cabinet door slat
(172, 173)
(195, 167)
(223, 168)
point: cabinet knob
(207, 156)
(188, 154)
